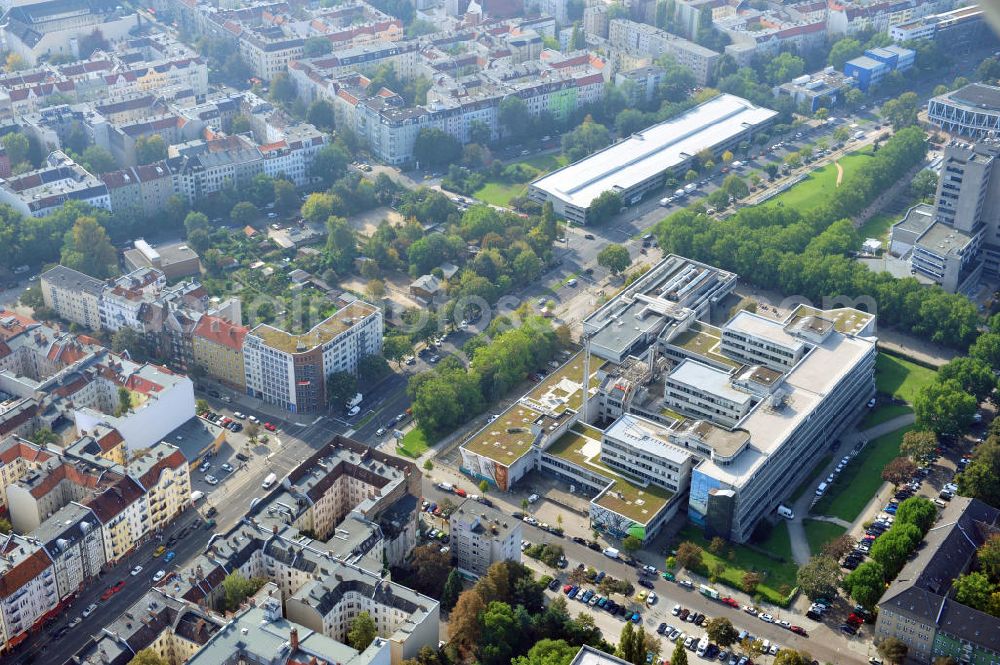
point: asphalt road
(41, 647)
(824, 643)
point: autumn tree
(893, 650)
(918, 444)
(463, 623)
(86, 248)
(751, 580)
(839, 547)
(147, 657)
(689, 556)
(899, 470)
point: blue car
(636, 618)
(169, 556)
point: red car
(270, 428)
(855, 620)
(799, 630)
(567, 588)
(731, 602)
(460, 492)
(112, 590)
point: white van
(197, 496)
(703, 646)
(786, 512)
(821, 490)
(269, 481)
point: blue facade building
(870, 68)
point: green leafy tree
(318, 207)
(893, 650)
(282, 88)
(735, 186)
(975, 590)
(340, 387)
(286, 199)
(918, 444)
(396, 347)
(943, 407)
(819, 577)
(866, 583)
(604, 207)
(784, 67)
(314, 47)
(902, 111)
(243, 213)
(362, 631)
(587, 138)
(97, 160)
(918, 511)
(721, 631)
(514, 116)
(329, 163)
(842, 51)
(548, 652)
(452, 590)
(147, 657)
(125, 339)
(435, 148)
(615, 258)
(631, 544)
(149, 149)
(86, 248)
(320, 113)
(679, 656)
(972, 374)
(989, 557)
(689, 556)
(238, 588)
(196, 221)
(341, 244)
(923, 185)
(791, 657)
(16, 145)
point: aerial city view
(499, 332)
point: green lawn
(776, 574)
(819, 533)
(818, 185)
(883, 414)
(414, 444)
(500, 193)
(877, 227)
(857, 483)
(900, 378)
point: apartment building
(920, 607)
(164, 475)
(819, 90)
(851, 17)
(958, 28)
(124, 515)
(123, 302)
(642, 40)
(56, 27)
(72, 539)
(40, 192)
(290, 370)
(28, 591)
(481, 536)
(73, 296)
(268, 50)
(141, 190)
(217, 346)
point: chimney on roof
(293, 639)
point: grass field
(878, 226)
(857, 484)
(414, 444)
(883, 414)
(500, 193)
(776, 574)
(818, 185)
(900, 378)
(819, 533)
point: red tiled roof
(114, 500)
(222, 332)
(18, 325)
(27, 570)
(174, 460)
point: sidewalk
(796, 529)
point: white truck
(446, 487)
(611, 553)
(354, 401)
(269, 481)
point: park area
(817, 187)
(820, 532)
(414, 444)
(899, 379)
(778, 576)
(861, 478)
(500, 193)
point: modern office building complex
(920, 608)
(680, 415)
(869, 69)
(956, 241)
(955, 30)
(972, 111)
(290, 370)
(640, 164)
